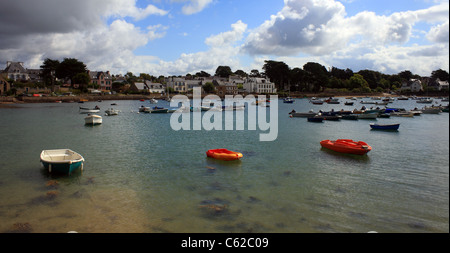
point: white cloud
(222, 51)
(127, 8)
(306, 30)
(193, 6)
(439, 33)
(226, 38)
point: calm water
(141, 176)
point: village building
(413, 85)
(178, 84)
(259, 85)
(155, 87)
(102, 79)
(437, 84)
(17, 72)
(139, 87)
(227, 89)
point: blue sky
(177, 37)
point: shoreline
(5, 101)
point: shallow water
(141, 176)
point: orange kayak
(347, 146)
(224, 154)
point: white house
(259, 85)
(413, 85)
(155, 87)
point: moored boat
(93, 120)
(350, 117)
(424, 101)
(431, 110)
(315, 101)
(367, 115)
(63, 161)
(288, 100)
(402, 114)
(385, 127)
(311, 113)
(315, 119)
(112, 112)
(157, 109)
(347, 146)
(224, 154)
(84, 110)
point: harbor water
(141, 176)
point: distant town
(71, 76)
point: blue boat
(385, 127)
(62, 161)
(288, 100)
(317, 119)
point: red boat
(224, 154)
(347, 146)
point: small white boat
(425, 101)
(402, 114)
(144, 109)
(61, 160)
(416, 112)
(153, 101)
(93, 120)
(84, 110)
(89, 111)
(316, 101)
(112, 112)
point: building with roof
(102, 79)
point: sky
(179, 37)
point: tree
(209, 87)
(405, 75)
(255, 73)
(298, 79)
(357, 82)
(131, 79)
(277, 72)
(372, 77)
(318, 75)
(81, 79)
(202, 74)
(240, 73)
(48, 72)
(69, 67)
(441, 74)
(224, 71)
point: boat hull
(61, 161)
(303, 114)
(315, 119)
(367, 116)
(93, 120)
(385, 127)
(347, 146)
(224, 154)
